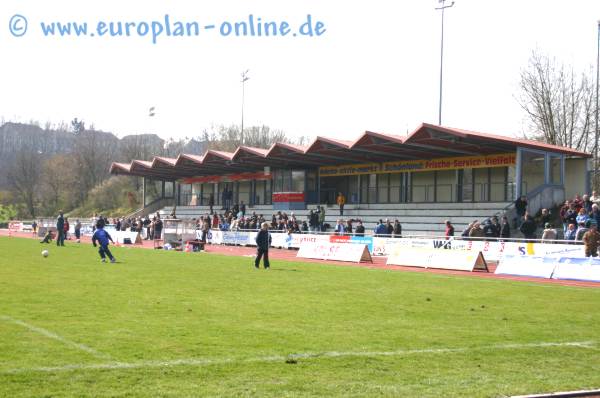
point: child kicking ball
(103, 237)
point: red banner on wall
(339, 238)
(288, 197)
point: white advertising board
(491, 250)
(534, 266)
(460, 260)
(120, 236)
(335, 251)
(582, 269)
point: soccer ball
(45, 253)
(78, 241)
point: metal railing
(426, 193)
(371, 233)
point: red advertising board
(288, 197)
(227, 178)
(339, 238)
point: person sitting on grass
(102, 237)
(47, 237)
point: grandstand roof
(428, 141)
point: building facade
(433, 164)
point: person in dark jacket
(313, 221)
(60, 230)
(103, 237)
(397, 231)
(360, 229)
(224, 199)
(348, 228)
(528, 227)
(570, 216)
(521, 207)
(158, 227)
(48, 237)
(263, 241)
(504, 228)
(491, 229)
(389, 228)
(211, 201)
(77, 229)
(545, 218)
(449, 229)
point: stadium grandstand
(434, 173)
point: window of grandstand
(555, 169)
(297, 181)
(532, 169)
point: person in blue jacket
(102, 237)
(380, 229)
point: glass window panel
(532, 170)
(395, 187)
(382, 188)
(297, 181)
(555, 167)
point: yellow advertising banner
(400, 166)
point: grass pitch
(173, 324)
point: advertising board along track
(459, 260)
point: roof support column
(143, 191)
(518, 172)
(589, 175)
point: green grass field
(172, 324)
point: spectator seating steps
(416, 218)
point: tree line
(50, 170)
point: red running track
(378, 262)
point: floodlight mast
(245, 78)
(442, 7)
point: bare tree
(92, 154)
(24, 178)
(559, 103)
(78, 126)
(58, 186)
(229, 138)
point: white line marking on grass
(55, 336)
(282, 358)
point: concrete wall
(575, 177)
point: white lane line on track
(282, 358)
(51, 335)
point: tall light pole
(244, 80)
(597, 85)
(442, 7)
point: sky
(368, 65)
